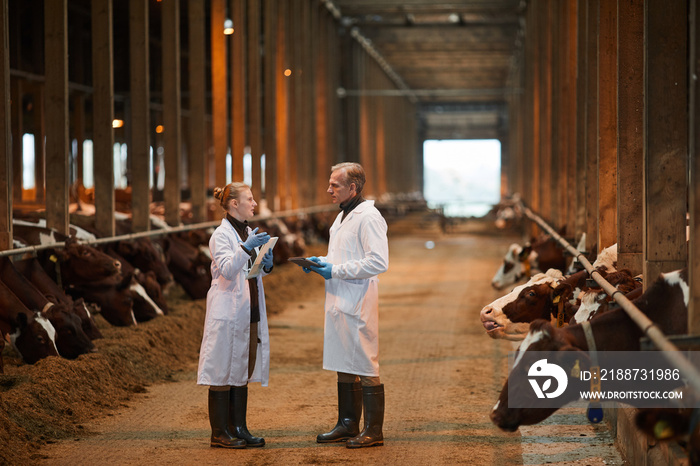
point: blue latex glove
(312, 259)
(324, 268)
(256, 239)
(267, 260)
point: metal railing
(169, 230)
(670, 351)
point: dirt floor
(136, 402)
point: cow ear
(562, 291)
(572, 360)
(525, 252)
(126, 281)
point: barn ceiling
(453, 58)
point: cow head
(113, 296)
(86, 321)
(509, 317)
(147, 296)
(71, 340)
(33, 337)
(541, 337)
(513, 267)
(147, 256)
(81, 263)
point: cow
(596, 301)
(508, 317)
(188, 265)
(35, 273)
(146, 291)
(681, 423)
(85, 272)
(71, 340)
(665, 303)
(524, 261)
(30, 333)
(288, 244)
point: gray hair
(354, 173)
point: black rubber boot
(218, 419)
(349, 412)
(239, 406)
(371, 435)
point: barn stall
(596, 111)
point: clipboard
(257, 267)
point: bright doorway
(462, 176)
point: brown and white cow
(524, 261)
(35, 273)
(189, 266)
(29, 332)
(71, 340)
(665, 302)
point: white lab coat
(359, 251)
(223, 356)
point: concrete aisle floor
(441, 372)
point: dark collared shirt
(350, 204)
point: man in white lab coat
(358, 251)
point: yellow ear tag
(53, 258)
(576, 370)
(662, 430)
(556, 299)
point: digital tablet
(302, 261)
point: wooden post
(324, 121)
(694, 178)
(218, 89)
(607, 124)
(630, 136)
(557, 116)
(269, 135)
(592, 130)
(56, 114)
(172, 110)
(581, 118)
(197, 148)
(40, 122)
(140, 127)
(570, 57)
(282, 198)
(545, 110)
(295, 99)
(254, 67)
(665, 136)
(17, 126)
(5, 132)
(238, 88)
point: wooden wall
(268, 89)
(624, 139)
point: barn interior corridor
(441, 372)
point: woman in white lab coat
(235, 346)
(358, 251)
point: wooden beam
(219, 97)
(630, 135)
(254, 67)
(324, 120)
(270, 72)
(56, 114)
(5, 131)
(665, 136)
(607, 124)
(140, 121)
(172, 110)
(545, 110)
(571, 179)
(282, 199)
(694, 178)
(581, 118)
(197, 148)
(239, 137)
(592, 102)
(17, 126)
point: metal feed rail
(167, 231)
(670, 351)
